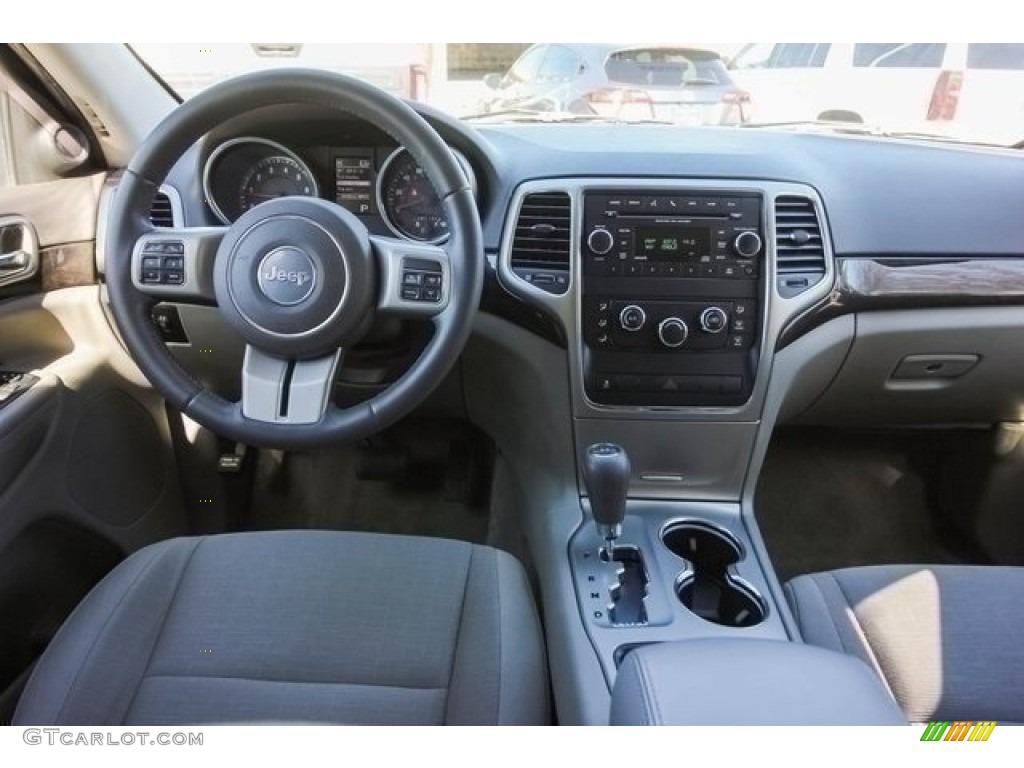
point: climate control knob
(713, 320)
(632, 318)
(673, 332)
(747, 245)
(600, 241)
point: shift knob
(606, 477)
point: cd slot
(674, 218)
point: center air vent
(799, 250)
(162, 212)
(540, 246)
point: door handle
(19, 250)
(18, 259)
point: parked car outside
(968, 90)
(673, 83)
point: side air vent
(799, 250)
(94, 120)
(162, 212)
(540, 246)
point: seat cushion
(298, 626)
(948, 640)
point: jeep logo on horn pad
(287, 276)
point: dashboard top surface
(882, 197)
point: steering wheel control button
(422, 280)
(163, 262)
(632, 318)
(713, 320)
(287, 276)
(673, 332)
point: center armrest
(734, 681)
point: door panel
(87, 468)
(62, 211)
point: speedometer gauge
(407, 200)
(272, 177)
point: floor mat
(831, 500)
(320, 489)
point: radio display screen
(672, 243)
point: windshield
(960, 91)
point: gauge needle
(410, 204)
(267, 197)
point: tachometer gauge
(272, 177)
(243, 172)
(407, 200)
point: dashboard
(942, 232)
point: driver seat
(298, 627)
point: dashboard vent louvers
(541, 243)
(91, 117)
(799, 249)
(162, 212)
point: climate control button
(673, 332)
(632, 318)
(713, 320)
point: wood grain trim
(959, 281)
(65, 266)
(864, 285)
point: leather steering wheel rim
(129, 222)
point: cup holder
(709, 590)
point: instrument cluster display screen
(353, 183)
(672, 243)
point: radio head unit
(672, 235)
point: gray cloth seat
(298, 626)
(948, 640)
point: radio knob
(673, 332)
(713, 320)
(600, 241)
(747, 245)
(632, 318)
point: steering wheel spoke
(281, 391)
(177, 264)
(415, 278)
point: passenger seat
(948, 640)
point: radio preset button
(632, 318)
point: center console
(671, 296)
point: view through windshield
(963, 91)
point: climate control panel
(660, 324)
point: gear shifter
(606, 472)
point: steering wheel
(299, 278)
